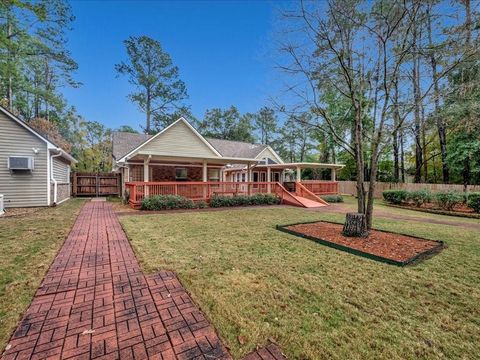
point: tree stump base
(355, 225)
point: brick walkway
(95, 303)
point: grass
(316, 302)
(28, 245)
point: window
(136, 173)
(213, 174)
(181, 174)
(255, 176)
(243, 177)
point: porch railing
(319, 187)
(197, 190)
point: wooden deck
(197, 191)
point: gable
(268, 153)
(178, 140)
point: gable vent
(20, 163)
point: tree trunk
(441, 128)
(417, 120)
(355, 225)
(402, 157)
(149, 112)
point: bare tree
(360, 49)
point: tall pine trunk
(417, 119)
(440, 122)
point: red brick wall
(167, 173)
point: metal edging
(360, 253)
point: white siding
(178, 140)
(269, 154)
(22, 189)
(60, 170)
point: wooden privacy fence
(96, 184)
(350, 187)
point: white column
(299, 174)
(204, 171)
(145, 170)
(269, 180)
(145, 175)
(334, 175)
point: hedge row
(447, 200)
(241, 200)
(332, 198)
(172, 202)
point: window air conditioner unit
(20, 163)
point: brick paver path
(95, 303)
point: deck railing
(320, 187)
(197, 190)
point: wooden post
(334, 175)
(74, 184)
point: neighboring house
(33, 170)
(180, 155)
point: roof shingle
(124, 142)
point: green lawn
(28, 245)
(319, 303)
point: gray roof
(124, 142)
(236, 149)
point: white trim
(125, 157)
(173, 164)
(67, 198)
(273, 152)
(48, 177)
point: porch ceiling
(301, 165)
(191, 159)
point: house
(33, 170)
(179, 160)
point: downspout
(55, 184)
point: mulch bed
(392, 248)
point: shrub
(474, 201)
(243, 200)
(419, 197)
(167, 202)
(201, 204)
(333, 198)
(447, 200)
(395, 196)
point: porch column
(145, 170)
(249, 179)
(334, 175)
(204, 171)
(146, 178)
(205, 179)
(299, 174)
(269, 180)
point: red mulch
(392, 246)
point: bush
(242, 200)
(419, 197)
(333, 198)
(167, 202)
(447, 200)
(474, 201)
(395, 196)
(201, 204)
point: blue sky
(221, 47)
